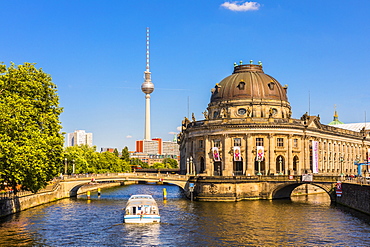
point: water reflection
(301, 221)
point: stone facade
(249, 110)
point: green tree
(136, 163)
(125, 154)
(158, 165)
(84, 158)
(87, 160)
(170, 163)
(115, 151)
(31, 145)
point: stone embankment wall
(17, 204)
(355, 196)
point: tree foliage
(158, 165)
(86, 160)
(170, 163)
(125, 155)
(31, 145)
(138, 164)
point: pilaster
(207, 160)
(249, 159)
(271, 163)
(289, 163)
(227, 156)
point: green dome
(335, 120)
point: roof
(353, 126)
(335, 122)
(249, 82)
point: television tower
(147, 87)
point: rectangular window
(201, 144)
(217, 143)
(295, 143)
(259, 141)
(238, 142)
(280, 142)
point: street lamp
(73, 167)
(341, 166)
(357, 161)
(65, 166)
(187, 166)
(280, 165)
(259, 159)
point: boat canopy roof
(135, 197)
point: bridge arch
(71, 187)
(284, 191)
(74, 190)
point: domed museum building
(248, 130)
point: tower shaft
(147, 117)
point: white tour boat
(141, 209)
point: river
(301, 221)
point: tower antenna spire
(147, 49)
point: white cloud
(179, 128)
(240, 6)
(172, 133)
(128, 137)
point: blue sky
(95, 53)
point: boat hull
(142, 218)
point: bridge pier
(235, 188)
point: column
(188, 154)
(244, 153)
(271, 163)
(289, 160)
(208, 161)
(306, 154)
(249, 159)
(227, 158)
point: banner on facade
(368, 156)
(315, 156)
(237, 154)
(216, 155)
(260, 153)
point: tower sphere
(147, 87)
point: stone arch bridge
(212, 188)
(71, 185)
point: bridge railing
(317, 178)
(123, 175)
(358, 180)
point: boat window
(133, 210)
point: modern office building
(157, 146)
(79, 137)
